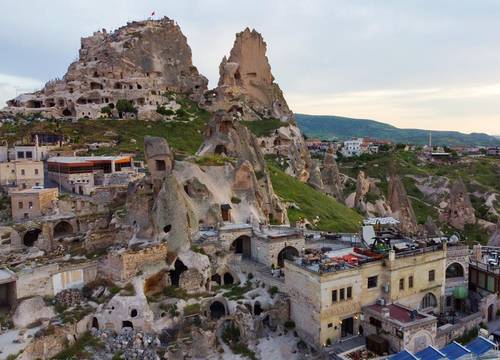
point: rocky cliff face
(246, 81)
(330, 174)
(401, 206)
(459, 211)
(227, 137)
(246, 85)
(139, 62)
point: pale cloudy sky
(425, 64)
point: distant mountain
(338, 127)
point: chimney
(386, 312)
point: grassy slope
(329, 127)
(183, 134)
(333, 215)
(263, 127)
(481, 174)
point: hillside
(333, 216)
(331, 127)
(427, 184)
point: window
(160, 165)
(428, 301)
(334, 295)
(30, 205)
(372, 282)
(330, 325)
(401, 284)
(410, 282)
(37, 184)
(23, 172)
(36, 171)
(29, 154)
(342, 294)
(26, 215)
(349, 292)
(448, 301)
(20, 205)
(20, 154)
(432, 275)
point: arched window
(428, 301)
(454, 270)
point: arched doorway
(175, 274)
(62, 229)
(242, 245)
(220, 149)
(454, 270)
(30, 237)
(287, 253)
(428, 301)
(228, 279)
(217, 310)
(257, 308)
(95, 323)
(127, 324)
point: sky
(413, 64)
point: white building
(352, 147)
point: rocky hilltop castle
(137, 62)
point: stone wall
(124, 264)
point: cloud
(465, 108)
(11, 86)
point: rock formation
(495, 238)
(460, 211)
(430, 227)
(226, 136)
(330, 174)
(246, 81)
(246, 87)
(139, 62)
(401, 206)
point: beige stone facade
(328, 305)
(22, 174)
(125, 264)
(32, 203)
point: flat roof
(397, 312)
(82, 159)
(33, 191)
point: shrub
(106, 110)
(290, 324)
(125, 106)
(235, 200)
(191, 309)
(160, 109)
(273, 290)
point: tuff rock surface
(330, 174)
(401, 206)
(139, 62)
(459, 211)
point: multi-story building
(21, 174)
(32, 203)
(328, 291)
(352, 147)
(81, 174)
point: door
(347, 327)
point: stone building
(8, 294)
(32, 203)
(328, 292)
(21, 174)
(122, 265)
(80, 174)
(403, 327)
